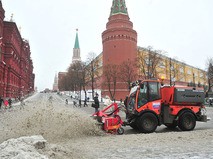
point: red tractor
(150, 104)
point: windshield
(149, 92)
(154, 91)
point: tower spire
(118, 7)
(76, 50)
(76, 46)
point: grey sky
(182, 28)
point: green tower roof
(76, 46)
(118, 7)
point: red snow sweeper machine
(109, 119)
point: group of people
(5, 102)
(75, 103)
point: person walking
(85, 102)
(96, 101)
(1, 101)
(66, 101)
(10, 103)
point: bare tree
(92, 70)
(76, 74)
(128, 72)
(148, 60)
(210, 74)
(111, 74)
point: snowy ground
(50, 129)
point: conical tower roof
(76, 46)
(118, 7)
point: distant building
(16, 65)
(61, 76)
(55, 84)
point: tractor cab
(144, 95)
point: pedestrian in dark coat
(85, 102)
(96, 101)
(10, 102)
(1, 101)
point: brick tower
(119, 43)
(119, 39)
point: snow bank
(52, 120)
(23, 148)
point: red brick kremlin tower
(119, 41)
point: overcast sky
(182, 28)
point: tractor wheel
(171, 125)
(147, 123)
(120, 131)
(133, 125)
(187, 121)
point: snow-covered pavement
(47, 128)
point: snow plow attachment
(109, 119)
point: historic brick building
(16, 66)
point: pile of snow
(23, 148)
(35, 147)
(52, 120)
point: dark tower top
(118, 7)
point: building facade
(173, 71)
(16, 66)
